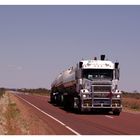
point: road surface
(68, 123)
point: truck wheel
(116, 112)
(80, 109)
(65, 102)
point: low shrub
(2, 92)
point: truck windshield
(92, 74)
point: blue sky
(38, 42)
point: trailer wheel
(52, 98)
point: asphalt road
(70, 123)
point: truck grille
(101, 95)
(101, 88)
(103, 102)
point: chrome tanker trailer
(91, 85)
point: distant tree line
(39, 91)
(135, 94)
(2, 91)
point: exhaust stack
(102, 57)
(116, 65)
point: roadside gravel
(18, 118)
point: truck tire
(116, 112)
(80, 109)
(65, 102)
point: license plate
(104, 102)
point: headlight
(118, 96)
(84, 96)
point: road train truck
(91, 85)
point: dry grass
(3, 109)
(11, 121)
(12, 115)
(18, 118)
(131, 95)
(131, 103)
(2, 92)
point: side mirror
(117, 74)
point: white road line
(50, 116)
(109, 116)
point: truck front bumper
(102, 103)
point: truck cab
(98, 85)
